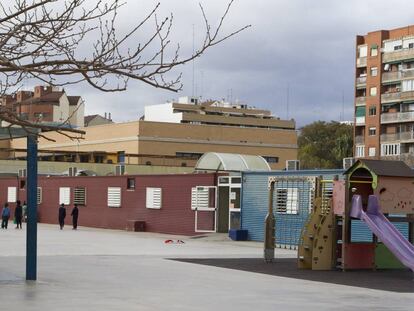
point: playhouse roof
(384, 168)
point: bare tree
(45, 39)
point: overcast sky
(306, 46)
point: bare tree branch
(63, 42)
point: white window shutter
(114, 196)
(154, 198)
(64, 195)
(11, 194)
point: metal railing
(397, 117)
(397, 55)
(359, 140)
(360, 101)
(361, 62)
(403, 136)
(361, 81)
(397, 75)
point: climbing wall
(316, 250)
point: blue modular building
(292, 204)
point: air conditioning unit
(347, 163)
(292, 165)
(119, 169)
(73, 171)
(22, 172)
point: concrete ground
(93, 269)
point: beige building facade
(167, 144)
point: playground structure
(377, 195)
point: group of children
(19, 213)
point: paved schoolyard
(94, 269)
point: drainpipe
(269, 238)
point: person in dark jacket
(62, 215)
(75, 214)
(18, 215)
(5, 215)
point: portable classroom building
(165, 203)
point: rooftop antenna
(287, 101)
(193, 85)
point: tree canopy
(324, 144)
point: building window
(362, 51)
(374, 50)
(39, 195)
(372, 111)
(154, 198)
(287, 201)
(371, 151)
(398, 47)
(271, 159)
(372, 131)
(359, 151)
(22, 184)
(373, 91)
(189, 155)
(114, 196)
(79, 196)
(131, 183)
(407, 85)
(411, 45)
(374, 71)
(390, 149)
(11, 194)
(64, 195)
(199, 198)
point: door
(234, 207)
(204, 202)
(223, 209)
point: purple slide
(384, 230)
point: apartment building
(161, 140)
(46, 104)
(384, 95)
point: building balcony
(361, 82)
(361, 62)
(396, 56)
(360, 101)
(403, 137)
(397, 117)
(359, 140)
(397, 97)
(359, 121)
(397, 75)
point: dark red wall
(175, 216)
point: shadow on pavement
(388, 280)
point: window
(131, 183)
(374, 50)
(64, 195)
(153, 199)
(372, 111)
(114, 196)
(22, 184)
(11, 194)
(359, 151)
(362, 51)
(371, 151)
(372, 131)
(39, 195)
(411, 45)
(79, 195)
(407, 85)
(390, 149)
(199, 198)
(397, 47)
(374, 71)
(373, 91)
(287, 200)
(190, 155)
(271, 159)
